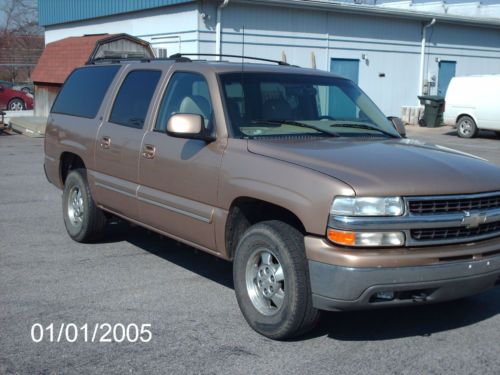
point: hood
(400, 167)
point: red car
(14, 100)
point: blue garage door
(446, 73)
(341, 107)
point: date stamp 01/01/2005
(97, 332)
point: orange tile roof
(60, 58)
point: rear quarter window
(84, 91)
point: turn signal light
(341, 237)
(366, 239)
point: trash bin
(433, 111)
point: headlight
(367, 206)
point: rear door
(487, 98)
(178, 177)
(119, 142)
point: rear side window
(84, 90)
(132, 102)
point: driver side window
(185, 93)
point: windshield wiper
(295, 123)
(364, 126)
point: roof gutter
(218, 29)
(379, 11)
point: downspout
(218, 29)
(422, 56)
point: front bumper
(355, 287)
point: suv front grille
(455, 232)
(438, 206)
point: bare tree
(19, 16)
(19, 37)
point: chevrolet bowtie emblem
(474, 220)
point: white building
(393, 49)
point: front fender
(306, 193)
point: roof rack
(178, 57)
(181, 55)
(118, 60)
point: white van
(473, 103)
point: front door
(446, 73)
(178, 177)
(119, 143)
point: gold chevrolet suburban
(292, 174)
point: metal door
(348, 68)
(446, 73)
(340, 106)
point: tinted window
(84, 90)
(132, 102)
(267, 104)
(186, 93)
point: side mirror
(398, 125)
(185, 125)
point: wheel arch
(463, 114)
(69, 161)
(246, 211)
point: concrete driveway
(187, 297)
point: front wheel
(84, 221)
(271, 281)
(466, 127)
(16, 105)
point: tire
(466, 127)
(273, 244)
(84, 221)
(497, 134)
(16, 105)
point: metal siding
(389, 75)
(52, 12)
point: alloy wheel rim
(75, 206)
(265, 281)
(16, 106)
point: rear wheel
(271, 281)
(16, 105)
(84, 221)
(466, 127)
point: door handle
(149, 151)
(105, 142)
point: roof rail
(180, 55)
(118, 60)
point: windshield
(270, 104)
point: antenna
(243, 49)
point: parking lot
(134, 276)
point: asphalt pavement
(138, 278)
